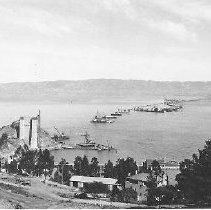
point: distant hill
(101, 90)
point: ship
(104, 119)
(60, 137)
(116, 114)
(110, 117)
(89, 144)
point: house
(82, 181)
(138, 183)
(163, 164)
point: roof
(139, 177)
(87, 179)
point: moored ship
(89, 144)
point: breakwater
(161, 107)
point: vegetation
(82, 167)
(96, 187)
(31, 162)
(194, 180)
(158, 195)
(121, 170)
(109, 170)
(63, 172)
(127, 195)
(3, 139)
(162, 195)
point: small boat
(116, 114)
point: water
(141, 135)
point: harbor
(104, 140)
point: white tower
(34, 133)
(22, 128)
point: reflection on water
(141, 135)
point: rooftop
(139, 177)
(87, 179)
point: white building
(80, 181)
(29, 131)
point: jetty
(169, 105)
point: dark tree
(121, 171)
(126, 195)
(78, 165)
(96, 187)
(194, 180)
(64, 171)
(13, 167)
(3, 139)
(131, 166)
(109, 170)
(156, 169)
(130, 195)
(27, 162)
(162, 195)
(94, 167)
(48, 162)
(85, 166)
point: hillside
(100, 90)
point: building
(29, 131)
(81, 181)
(164, 164)
(138, 183)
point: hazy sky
(126, 39)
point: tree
(131, 166)
(124, 168)
(96, 187)
(194, 180)
(78, 165)
(121, 172)
(3, 139)
(27, 161)
(64, 170)
(127, 195)
(48, 162)
(94, 167)
(85, 166)
(155, 168)
(12, 167)
(109, 170)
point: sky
(164, 40)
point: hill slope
(100, 90)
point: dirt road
(37, 195)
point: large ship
(104, 119)
(89, 144)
